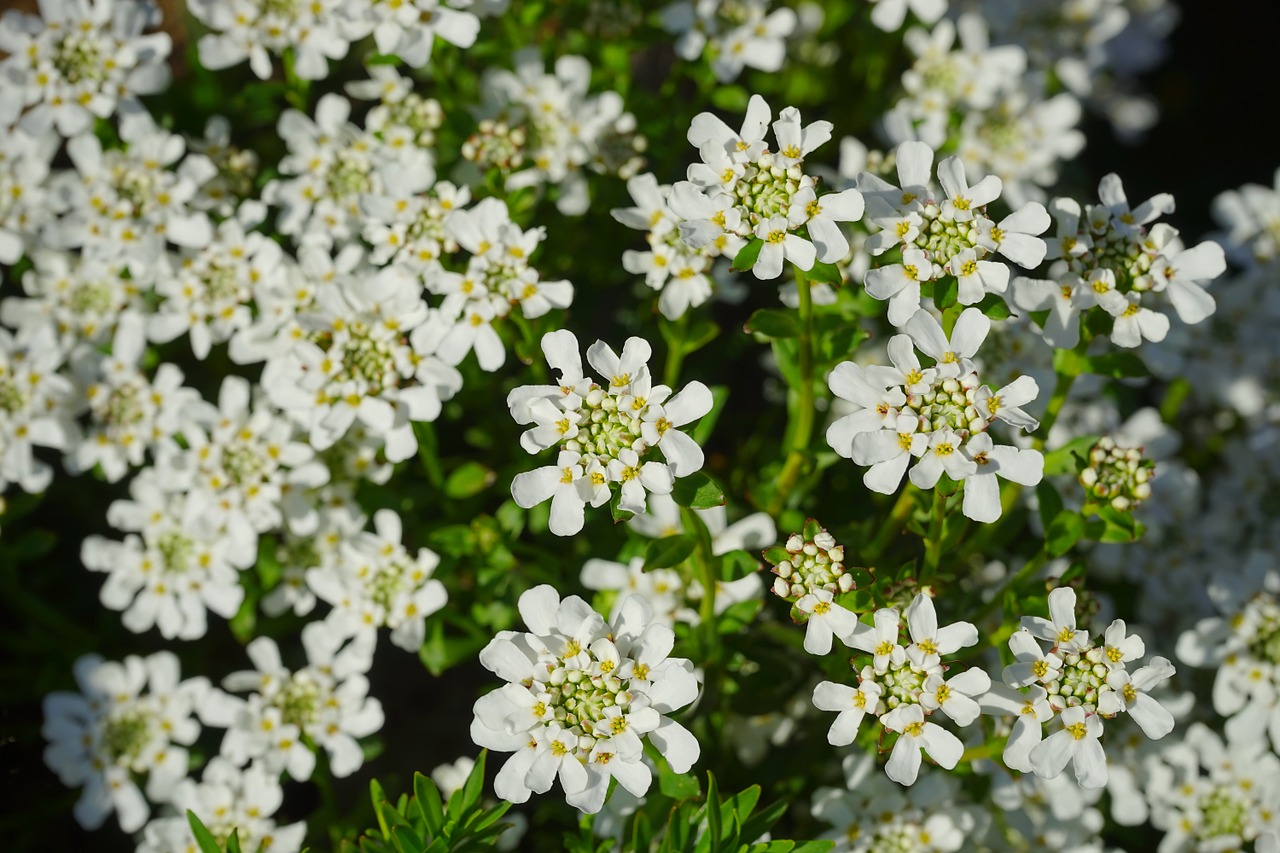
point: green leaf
(713, 811)
(762, 821)
(1121, 526)
(427, 798)
(1063, 533)
(467, 480)
(824, 272)
(779, 846)
(379, 798)
(677, 786)
(233, 841)
(776, 554)
(698, 491)
(746, 257)
(738, 564)
(473, 787)
(813, 847)
(204, 838)
(700, 334)
(1063, 460)
(838, 337)
(773, 323)
(994, 306)
(945, 291)
(1050, 502)
(1067, 362)
(1118, 365)
(670, 551)
(619, 514)
(406, 840)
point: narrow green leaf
(773, 323)
(813, 847)
(233, 841)
(713, 811)
(427, 798)
(746, 257)
(204, 838)
(474, 786)
(824, 272)
(670, 551)
(379, 798)
(762, 821)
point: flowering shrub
(718, 425)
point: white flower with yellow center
(581, 696)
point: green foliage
(423, 824)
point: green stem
(429, 452)
(297, 90)
(707, 564)
(933, 543)
(892, 525)
(803, 414)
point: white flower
(737, 36)
(915, 734)
(177, 564)
(35, 408)
(604, 433)
(1060, 628)
(377, 582)
(409, 29)
(25, 205)
(112, 732)
(768, 193)
(313, 32)
(888, 15)
(226, 800)
(83, 59)
(825, 620)
(851, 704)
(580, 695)
(327, 701)
(1075, 743)
(938, 415)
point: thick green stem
(933, 543)
(429, 452)
(892, 525)
(803, 413)
(675, 353)
(707, 568)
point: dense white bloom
(1105, 255)
(672, 600)
(497, 278)
(82, 59)
(330, 166)
(236, 169)
(112, 732)
(606, 434)
(554, 128)
(208, 293)
(408, 28)
(1244, 645)
(734, 35)
(937, 415)
(128, 413)
(326, 701)
(376, 582)
(25, 205)
(943, 234)
(581, 695)
(128, 202)
(35, 408)
(903, 687)
(313, 32)
(1080, 683)
(226, 800)
(365, 354)
(751, 191)
(176, 564)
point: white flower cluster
(950, 235)
(903, 687)
(742, 189)
(79, 60)
(605, 433)
(581, 697)
(1008, 124)
(325, 703)
(811, 566)
(551, 125)
(1243, 644)
(733, 34)
(1079, 681)
(1117, 476)
(129, 720)
(310, 34)
(1105, 256)
(935, 415)
(678, 271)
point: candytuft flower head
(606, 433)
(937, 415)
(752, 191)
(1116, 476)
(581, 697)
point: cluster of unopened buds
(811, 565)
(1117, 476)
(497, 144)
